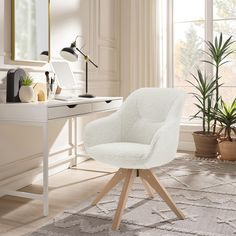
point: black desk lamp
(70, 54)
(44, 56)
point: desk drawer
(68, 110)
(107, 105)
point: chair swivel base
(150, 182)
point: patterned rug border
(217, 160)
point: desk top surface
(57, 103)
(55, 109)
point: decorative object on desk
(71, 54)
(48, 82)
(65, 76)
(50, 85)
(14, 78)
(40, 92)
(26, 92)
(58, 90)
(52, 89)
(226, 116)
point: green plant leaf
(226, 116)
(26, 81)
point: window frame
(208, 22)
(169, 34)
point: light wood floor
(19, 216)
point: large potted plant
(208, 95)
(217, 53)
(205, 140)
(226, 116)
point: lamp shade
(44, 56)
(69, 54)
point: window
(195, 21)
(224, 20)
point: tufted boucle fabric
(148, 122)
(205, 190)
(125, 152)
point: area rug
(205, 190)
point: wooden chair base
(150, 182)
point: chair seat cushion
(122, 154)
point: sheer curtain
(139, 45)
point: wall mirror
(30, 30)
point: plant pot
(228, 150)
(206, 144)
(26, 93)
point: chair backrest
(145, 111)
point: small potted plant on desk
(225, 115)
(26, 92)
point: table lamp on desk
(71, 54)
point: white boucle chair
(142, 135)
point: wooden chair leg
(123, 198)
(148, 189)
(119, 175)
(152, 180)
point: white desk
(39, 114)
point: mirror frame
(13, 38)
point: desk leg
(45, 169)
(76, 141)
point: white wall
(97, 23)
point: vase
(206, 144)
(228, 150)
(26, 93)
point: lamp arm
(93, 63)
(86, 57)
(73, 45)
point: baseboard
(186, 142)
(186, 146)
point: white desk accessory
(65, 77)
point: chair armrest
(165, 141)
(103, 130)
(166, 130)
(164, 144)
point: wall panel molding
(109, 38)
(108, 59)
(2, 51)
(107, 20)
